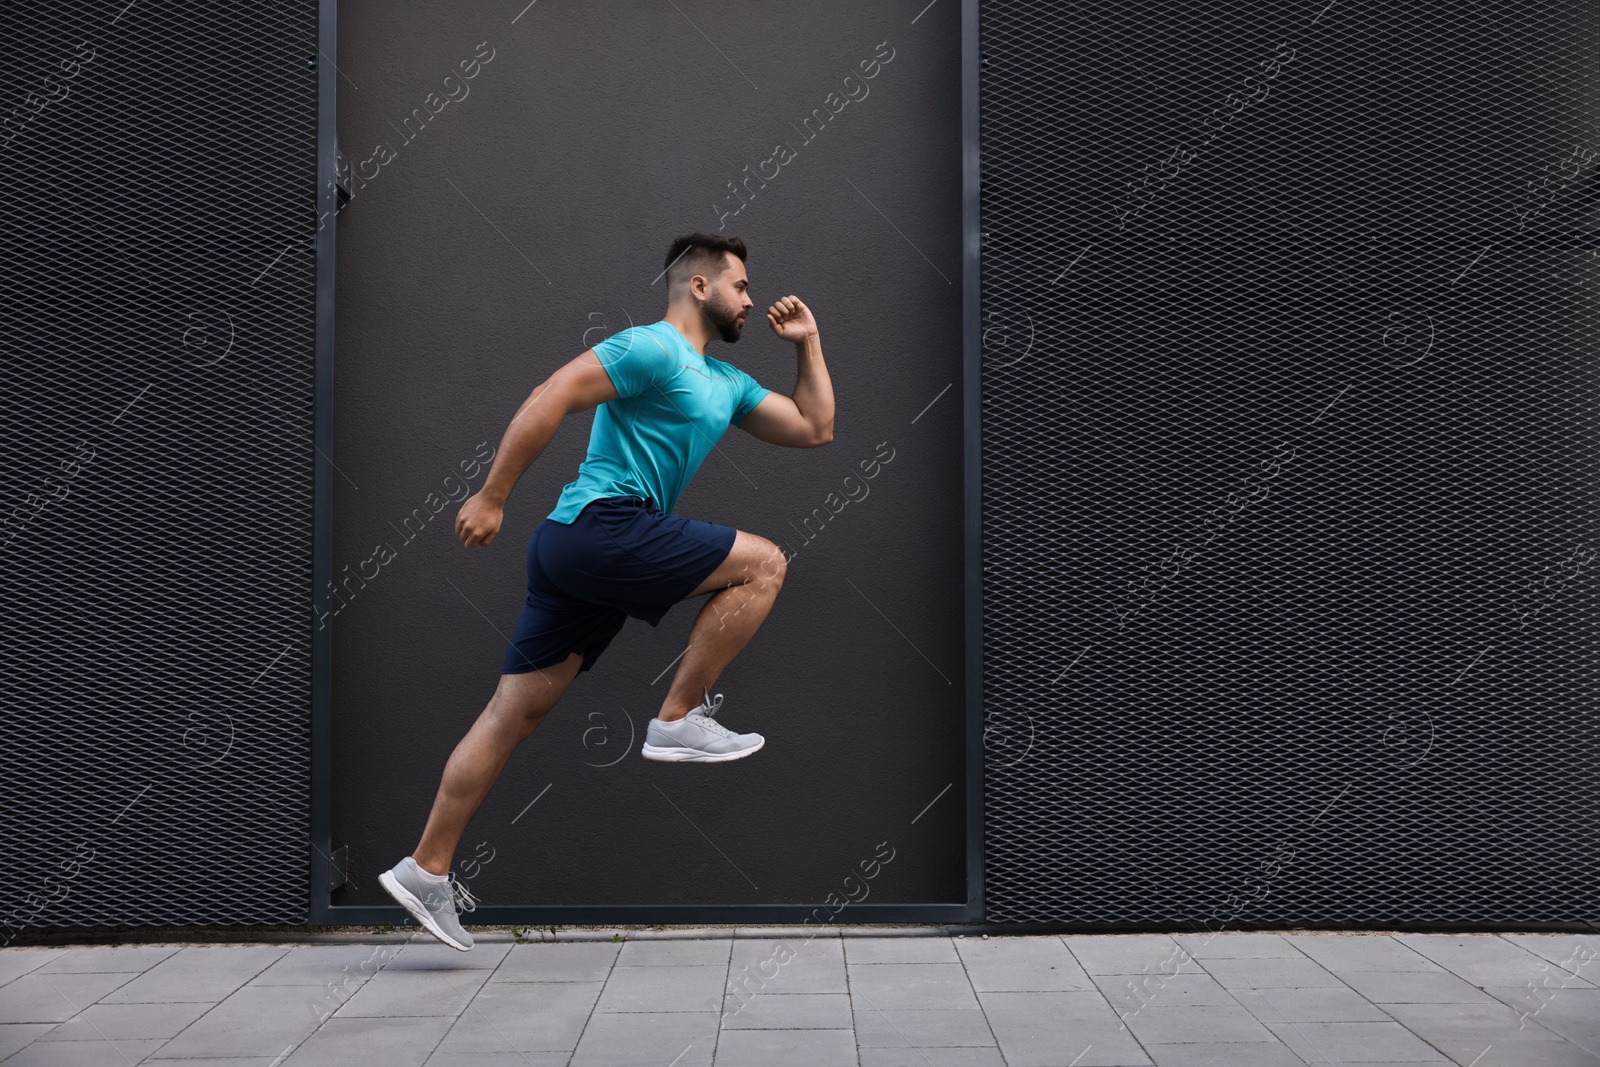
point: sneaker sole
(694, 755)
(418, 910)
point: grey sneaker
(698, 738)
(433, 904)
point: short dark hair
(700, 253)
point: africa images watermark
(783, 154)
(455, 490)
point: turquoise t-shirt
(673, 405)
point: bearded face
(726, 316)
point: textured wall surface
(509, 216)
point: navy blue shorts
(621, 556)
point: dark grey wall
(525, 221)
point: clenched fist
(791, 319)
(478, 521)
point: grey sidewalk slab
(390, 1042)
(931, 1057)
(1239, 1000)
(781, 966)
(584, 961)
(1130, 954)
(1356, 1042)
(197, 974)
(644, 1038)
(663, 989)
(16, 962)
(1482, 959)
(253, 1021)
(1022, 965)
(922, 1028)
(111, 960)
(119, 1022)
(786, 1048)
(54, 998)
(1361, 952)
(524, 1017)
(1051, 1029)
(792, 1011)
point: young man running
(612, 547)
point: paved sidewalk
(769, 998)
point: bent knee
(770, 564)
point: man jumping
(613, 548)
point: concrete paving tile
(931, 1057)
(1355, 1043)
(15, 1035)
(16, 962)
(109, 959)
(199, 974)
(675, 953)
(1413, 987)
(647, 1038)
(1232, 945)
(1131, 993)
(663, 989)
(761, 966)
(1129, 954)
(1051, 1029)
(223, 1061)
(1361, 952)
(1310, 1006)
(917, 1028)
(83, 1053)
(430, 955)
(786, 1048)
(130, 1021)
(317, 965)
(391, 1042)
(1487, 1020)
(441, 1058)
(54, 998)
(1271, 974)
(1516, 1054)
(1022, 965)
(790, 1011)
(1163, 1024)
(899, 950)
(910, 985)
(1482, 959)
(1579, 953)
(524, 1017)
(559, 961)
(1573, 1013)
(254, 1021)
(1214, 1054)
(404, 994)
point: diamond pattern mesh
(157, 314)
(1289, 462)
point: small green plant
(659, 926)
(385, 928)
(615, 938)
(519, 934)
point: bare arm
(804, 420)
(578, 386)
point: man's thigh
(752, 559)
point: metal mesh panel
(1289, 462)
(157, 317)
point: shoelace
(708, 712)
(464, 900)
